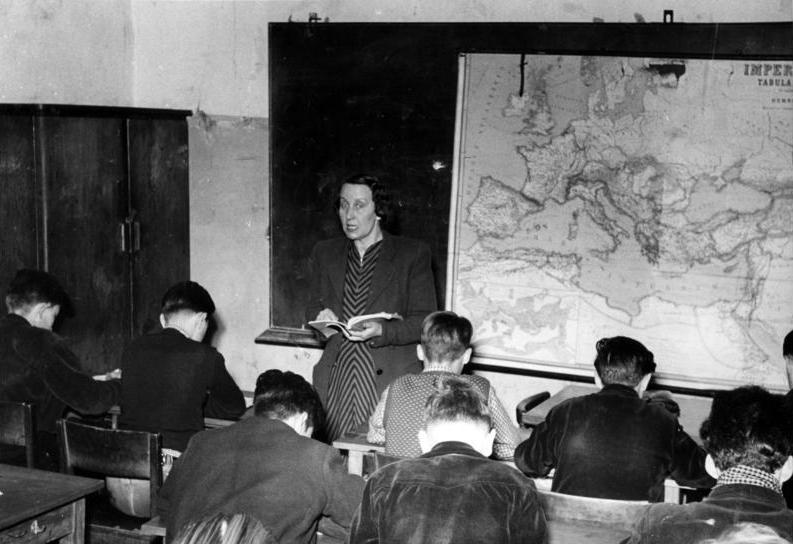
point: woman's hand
(365, 331)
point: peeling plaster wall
(66, 52)
(228, 224)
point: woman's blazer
(402, 283)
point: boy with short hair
(267, 466)
(749, 440)
(613, 444)
(444, 349)
(170, 380)
(453, 493)
(37, 366)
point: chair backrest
(616, 514)
(18, 428)
(111, 452)
(525, 406)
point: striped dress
(352, 394)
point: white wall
(52, 52)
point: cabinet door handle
(135, 236)
(124, 241)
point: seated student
(268, 467)
(444, 349)
(612, 444)
(36, 365)
(170, 380)
(787, 354)
(452, 493)
(749, 439)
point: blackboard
(380, 98)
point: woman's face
(356, 213)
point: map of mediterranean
(643, 197)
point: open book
(327, 327)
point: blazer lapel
(336, 270)
(383, 272)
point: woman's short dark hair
(623, 360)
(787, 345)
(31, 287)
(187, 295)
(445, 336)
(748, 426)
(279, 395)
(381, 196)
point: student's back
(36, 365)
(170, 380)
(452, 493)
(404, 408)
(613, 444)
(170, 383)
(445, 348)
(268, 467)
(748, 439)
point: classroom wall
(66, 53)
(211, 57)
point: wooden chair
(18, 432)
(525, 406)
(573, 519)
(112, 453)
(375, 460)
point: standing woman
(369, 271)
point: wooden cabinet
(98, 197)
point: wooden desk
(39, 506)
(215, 423)
(355, 444)
(209, 422)
(693, 410)
(569, 532)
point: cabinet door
(158, 163)
(84, 170)
(18, 198)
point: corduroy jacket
(451, 494)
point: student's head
(625, 361)
(225, 529)
(187, 307)
(749, 426)
(38, 297)
(457, 412)
(787, 347)
(445, 340)
(288, 397)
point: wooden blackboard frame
(360, 64)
